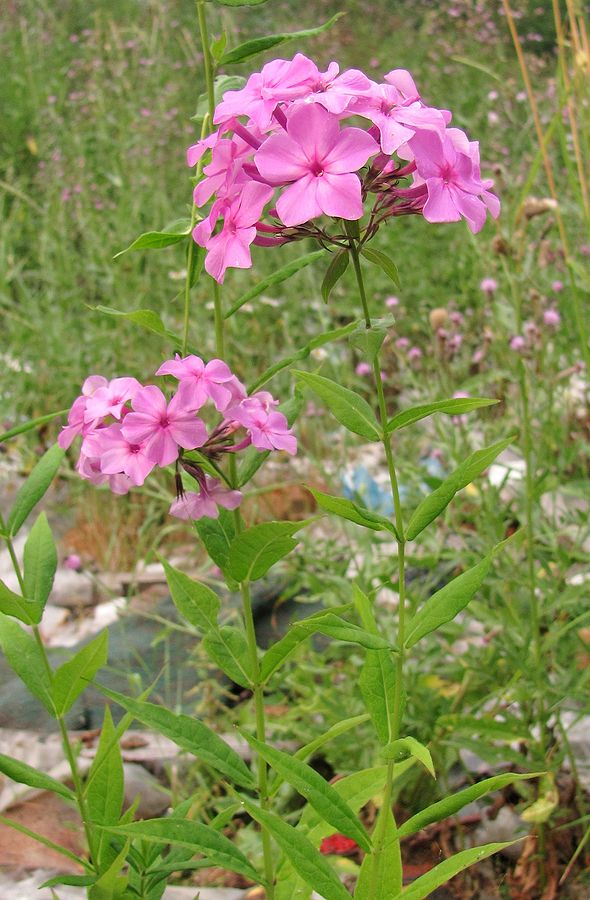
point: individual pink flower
(110, 399)
(517, 343)
(73, 562)
(391, 302)
(557, 286)
(320, 160)
(488, 285)
(551, 318)
(231, 247)
(200, 381)
(162, 427)
(193, 505)
(402, 343)
(363, 368)
(414, 354)
(89, 468)
(118, 455)
(77, 421)
(268, 429)
(335, 92)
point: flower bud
(438, 317)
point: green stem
(396, 716)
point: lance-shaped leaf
(34, 488)
(196, 602)
(12, 604)
(280, 651)
(353, 512)
(40, 564)
(444, 605)
(277, 277)
(454, 407)
(370, 340)
(104, 790)
(218, 849)
(188, 733)
(409, 746)
(217, 535)
(228, 647)
(435, 503)
(442, 809)
(349, 408)
(25, 658)
(381, 874)
(338, 628)
(255, 550)
(384, 262)
(241, 2)
(258, 45)
(73, 676)
(145, 318)
(156, 240)
(377, 678)
(316, 790)
(446, 870)
(31, 424)
(24, 774)
(309, 864)
(334, 272)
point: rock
(577, 729)
(154, 800)
(72, 589)
(50, 816)
(16, 886)
(506, 826)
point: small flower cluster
(128, 429)
(291, 140)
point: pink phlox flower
(193, 505)
(404, 83)
(77, 421)
(336, 92)
(196, 151)
(110, 400)
(117, 455)
(451, 180)
(231, 246)
(268, 428)
(225, 169)
(89, 469)
(280, 81)
(381, 107)
(162, 427)
(319, 159)
(200, 381)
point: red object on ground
(338, 844)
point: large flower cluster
(128, 429)
(282, 133)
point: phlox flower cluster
(281, 158)
(128, 429)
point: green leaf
(435, 503)
(188, 733)
(378, 676)
(218, 849)
(72, 678)
(370, 340)
(454, 407)
(353, 512)
(303, 856)
(255, 550)
(258, 45)
(351, 410)
(25, 774)
(444, 605)
(104, 788)
(241, 2)
(385, 263)
(338, 628)
(40, 564)
(217, 535)
(156, 240)
(195, 258)
(70, 880)
(277, 277)
(332, 732)
(382, 877)
(409, 746)
(446, 870)
(320, 340)
(509, 732)
(12, 604)
(315, 789)
(31, 424)
(145, 318)
(451, 805)
(112, 885)
(229, 649)
(218, 47)
(34, 488)
(24, 657)
(280, 651)
(334, 272)
(196, 602)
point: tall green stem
(396, 716)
